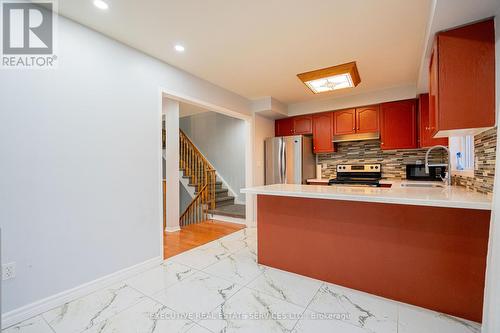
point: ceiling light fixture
(101, 4)
(179, 48)
(331, 78)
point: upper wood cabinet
(302, 124)
(323, 132)
(283, 127)
(367, 119)
(344, 122)
(359, 120)
(433, 91)
(425, 138)
(462, 80)
(293, 126)
(398, 125)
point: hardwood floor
(195, 235)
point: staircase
(210, 197)
(224, 203)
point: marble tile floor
(219, 287)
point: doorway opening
(204, 167)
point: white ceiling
(256, 48)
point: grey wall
(184, 200)
(80, 165)
(222, 140)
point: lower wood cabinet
(398, 125)
(322, 129)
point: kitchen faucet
(447, 178)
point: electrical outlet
(8, 271)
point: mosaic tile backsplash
(394, 161)
(485, 146)
(365, 152)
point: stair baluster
(202, 176)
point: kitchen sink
(423, 185)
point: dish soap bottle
(459, 161)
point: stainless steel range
(358, 175)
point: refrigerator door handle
(283, 164)
(280, 161)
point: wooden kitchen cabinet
(359, 120)
(344, 122)
(462, 80)
(322, 130)
(398, 125)
(367, 119)
(302, 125)
(293, 126)
(283, 127)
(425, 138)
(433, 91)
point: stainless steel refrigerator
(289, 160)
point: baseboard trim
(228, 219)
(172, 229)
(38, 307)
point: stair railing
(197, 210)
(201, 175)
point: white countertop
(315, 180)
(450, 196)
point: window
(462, 155)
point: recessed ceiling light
(101, 4)
(331, 78)
(179, 48)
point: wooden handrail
(183, 135)
(201, 174)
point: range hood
(356, 137)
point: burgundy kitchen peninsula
(423, 247)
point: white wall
(349, 101)
(491, 317)
(172, 196)
(221, 139)
(80, 169)
(263, 128)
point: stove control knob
(376, 167)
